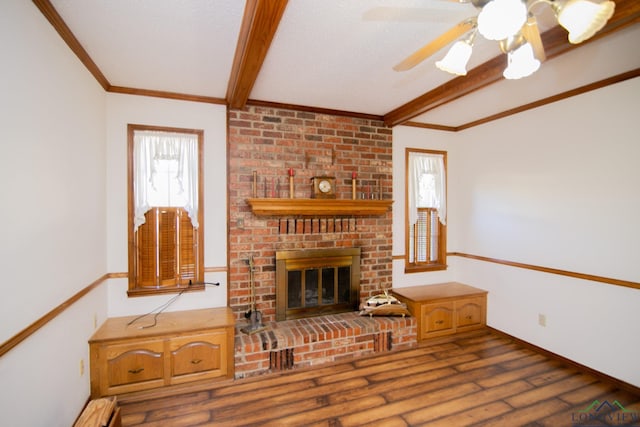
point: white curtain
(151, 147)
(427, 186)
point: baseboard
(623, 385)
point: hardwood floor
(481, 378)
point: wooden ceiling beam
(555, 43)
(259, 24)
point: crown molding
(535, 104)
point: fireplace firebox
(313, 282)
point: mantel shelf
(318, 207)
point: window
(165, 213)
(426, 210)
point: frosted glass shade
(521, 63)
(500, 19)
(455, 61)
(582, 18)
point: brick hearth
(316, 340)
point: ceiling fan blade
(435, 45)
(531, 33)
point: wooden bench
(444, 308)
(176, 348)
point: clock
(323, 187)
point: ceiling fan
(514, 26)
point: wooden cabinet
(181, 347)
(445, 308)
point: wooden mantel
(318, 207)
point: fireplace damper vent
(313, 282)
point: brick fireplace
(269, 141)
(265, 144)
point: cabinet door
(198, 357)
(130, 367)
(470, 313)
(437, 319)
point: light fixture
(521, 58)
(500, 19)
(455, 61)
(582, 18)
(521, 63)
(512, 24)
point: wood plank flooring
(481, 378)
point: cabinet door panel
(202, 355)
(469, 312)
(134, 363)
(437, 319)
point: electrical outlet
(81, 367)
(542, 320)
(95, 320)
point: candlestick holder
(353, 188)
(291, 186)
(255, 184)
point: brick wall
(269, 141)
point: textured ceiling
(330, 54)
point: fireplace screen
(315, 282)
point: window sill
(144, 292)
(424, 268)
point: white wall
(556, 187)
(52, 224)
(125, 109)
(565, 174)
